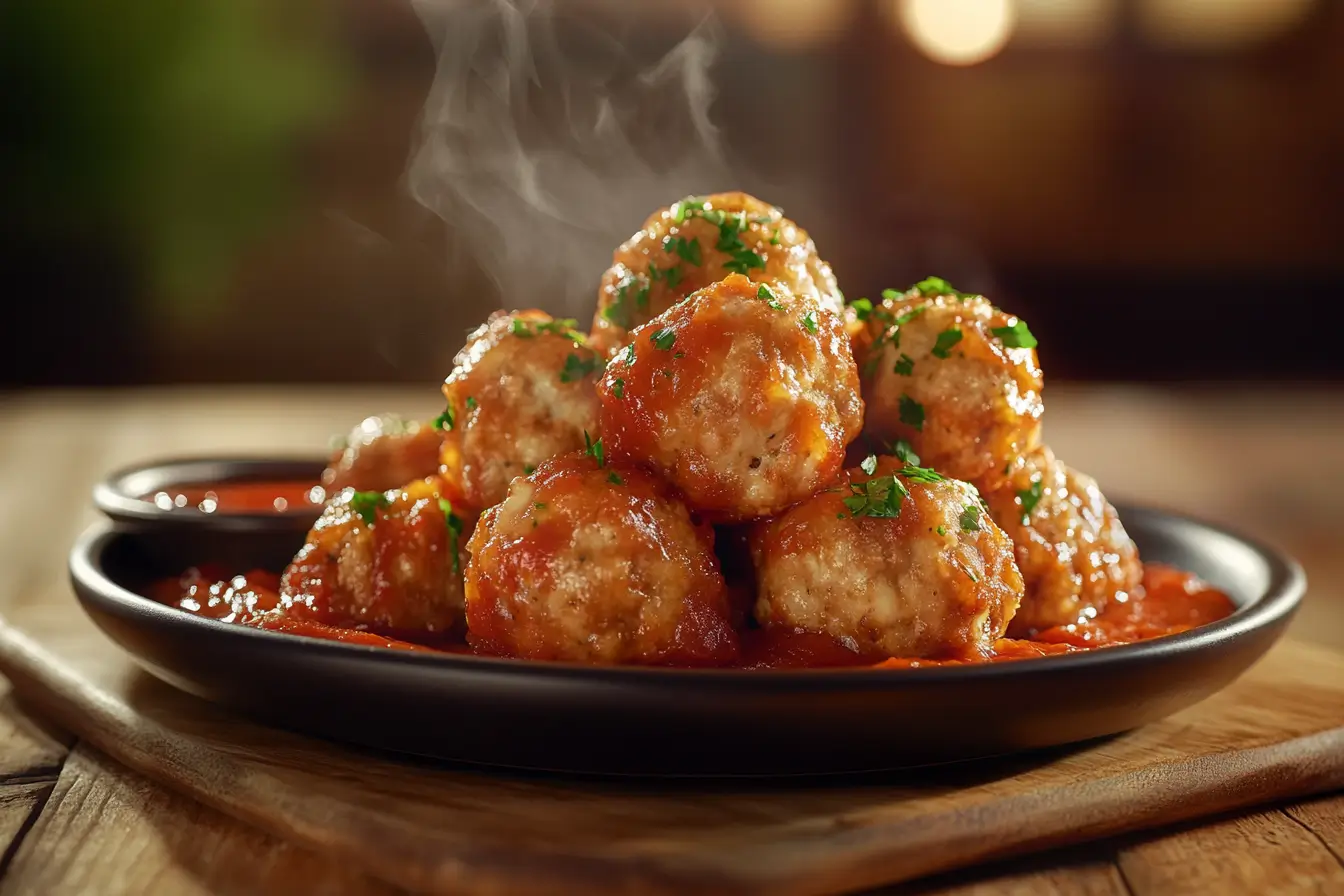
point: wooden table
(73, 820)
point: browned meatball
(391, 561)
(1071, 547)
(384, 452)
(597, 564)
(521, 392)
(744, 397)
(898, 562)
(696, 242)
(952, 374)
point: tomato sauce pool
(1170, 602)
(252, 496)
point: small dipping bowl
(254, 494)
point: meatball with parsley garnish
(744, 397)
(699, 241)
(521, 392)
(953, 375)
(897, 561)
(1071, 547)
(591, 560)
(389, 561)
(383, 452)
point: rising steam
(545, 141)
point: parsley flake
(686, 249)
(454, 524)
(743, 261)
(905, 365)
(663, 339)
(520, 328)
(774, 240)
(970, 518)
(922, 475)
(1029, 497)
(863, 308)
(594, 449)
(577, 368)
(615, 478)
(471, 400)
(1015, 336)
(366, 505)
(905, 453)
(528, 469)
(618, 388)
(766, 293)
(932, 287)
(445, 420)
(810, 321)
(911, 412)
(942, 530)
(869, 464)
(942, 346)
(879, 498)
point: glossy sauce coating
(1072, 549)
(388, 561)
(935, 373)
(699, 241)
(743, 397)
(521, 392)
(599, 564)
(384, 452)
(938, 579)
(257, 496)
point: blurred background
(336, 190)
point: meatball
(391, 561)
(521, 392)
(696, 242)
(384, 452)
(954, 376)
(597, 564)
(744, 396)
(1073, 552)
(896, 562)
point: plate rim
(1282, 596)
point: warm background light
(794, 24)
(1218, 24)
(957, 32)
(1064, 23)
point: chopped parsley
(471, 400)
(942, 530)
(970, 518)
(527, 329)
(766, 293)
(594, 449)
(1015, 336)
(923, 475)
(539, 505)
(618, 388)
(810, 321)
(892, 295)
(528, 469)
(743, 260)
(774, 240)
(615, 478)
(869, 464)
(366, 505)
(932, 287)
(911, 412)
(905, 365)
(863, 308)
(879, 498)
(905, 453)
(663, 339)
(672, 276)
(619, 312)
(445, 420)
(520, 328)
(942, 346)
(686, 249)
(1029, 497)
(454, 524)
(577, 368)
(627, 355)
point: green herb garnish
(618, 388)
(810, 321)
(905, 365)
(970, 518)
(366, 504)
(942, 346)
(766, 293)
(615, 478)
(869, 464)
(663, 339)
(471, 400)
(911, 412)
(594, 449)
(905, 453)
(577, 368)
(445, 420)
(1029, 497)
(879, 498)
(454, 524)
(1015, 336)
(686, 249)
(863, 308)
(942, 530)
(528, 469)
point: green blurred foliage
(169, 129)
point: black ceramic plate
(121, 494)
(671, 721)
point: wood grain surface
(323, 818)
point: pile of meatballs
(731, 447)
